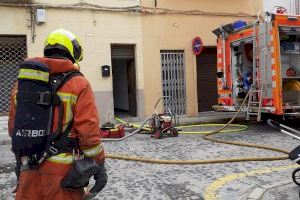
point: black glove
(80, 174)
(100, 181)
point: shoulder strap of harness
(59, 142)
(57, 81)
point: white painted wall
(288, 4)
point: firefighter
(53, 179)
(247, 81)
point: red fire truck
(262, 59)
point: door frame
(128, 54)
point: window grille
(13, 50)
(173, 80)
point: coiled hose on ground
(209, 137)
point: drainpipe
(32, 11)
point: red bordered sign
(197, 45)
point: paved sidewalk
(4, 138)
(210, 117)
(282, 190)
(203, 117)
(288, 191)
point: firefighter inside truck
(290, 64)
(242, 69)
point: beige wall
(176, 31)
(111, 3)
(149, 33)
(97, 30)
(230, 6)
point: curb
(205, 118)
(258, 192)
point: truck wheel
(296, 176)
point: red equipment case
(113, 132)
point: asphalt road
(226, 181)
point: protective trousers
(35, 185)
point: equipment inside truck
(242, 68)
(261, 60)
(290, 65)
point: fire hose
(208, 136)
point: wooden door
(131, 74)
(207, 79)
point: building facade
(103, 28)
(134, 51)
(172, 26)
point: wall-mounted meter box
(40, 15)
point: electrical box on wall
(105, 71)
(40, 15)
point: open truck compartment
(263, 58)
(241, 69)
(289, 37)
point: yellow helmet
(66, 41)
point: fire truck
(261, 60)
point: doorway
(206, 79)
(124, 80)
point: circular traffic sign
(197, 45)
